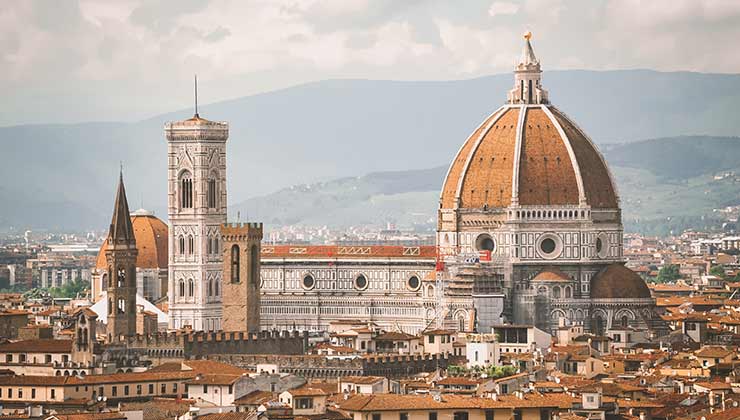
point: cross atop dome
(527, 77)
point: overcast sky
(123, 60)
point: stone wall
(167, 346)
(314, 366)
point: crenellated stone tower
(196, 151)
(241, 268)
(120, 256)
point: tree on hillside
(668, 274)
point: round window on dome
(361, 282)
(602, 245)
(413, 283)
(484, 242)
(550, 246)
(308, 282)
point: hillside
(665, 184)
(63, 176)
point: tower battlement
(234, 232)
(198, 344)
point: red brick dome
(616, 281)
(531, 155)
(151, 242)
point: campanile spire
(527, 77)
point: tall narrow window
(215, 287)
(254, 264)
(191, 245)
(235, 264)
(182, 288)
(182, 245)
(209, 245)
(186, 191)
(521, 90)
(212, 193)
(210, 287)
(191, 288)
(529, 92)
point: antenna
(196, 95)
(121, 170)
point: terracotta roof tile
(37, 346)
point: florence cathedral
(529, 231)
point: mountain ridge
(331, 129)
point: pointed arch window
(181, 245)
(209, 245)
(212, 192)
(235, 264)
(191, 245)
(210, 287)
(186, 190)
(215, 287)
(191, 288)
(182, 288)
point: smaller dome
(551, 274)
(151, 242)
(616, 281)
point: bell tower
(242, 248)
(196, 152)
(120, 256)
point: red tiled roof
(37, 346)
(392, 402)
(307, 391)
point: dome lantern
(527, 78)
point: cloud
(127, 59)
(500, 8)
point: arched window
(568, 292)
(625, 320)
(210, 287)
(556, 292)
(209, 245)
(182, 288)
(191, 245)
(191, 288)
(182, 245)
(235, 264)
(216, 249)
(215, 287)
(104, 281)
(254, 265)
(211, 193)
(186, 191)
